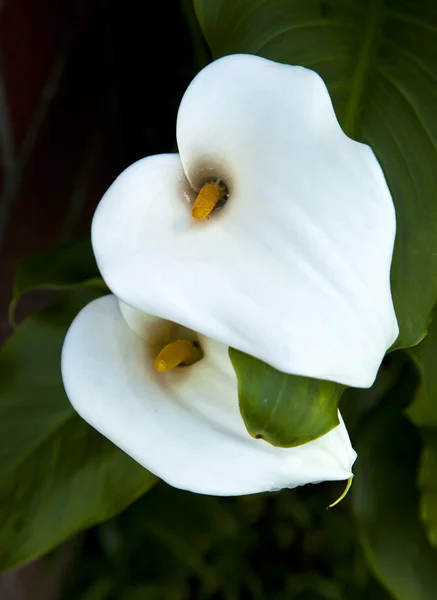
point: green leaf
(428, 486)
(423, 412)
(286, 410)
(385, 502)
(57, 474)
(423, 409)
(66, 267)
(379, 60)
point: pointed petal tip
(343, 495)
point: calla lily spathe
(185, 425)
(295, 268)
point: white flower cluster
(270, 232)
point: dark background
(86, 88)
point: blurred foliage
(386, 497)
(428, 485)
(57, 474)
(423, 410)
(423, 413)
(176, 545)
(68, 267)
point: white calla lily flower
(294, 269)
(184, 425)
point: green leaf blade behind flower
(423, 412)
(285, 410)
(428, 485)
(385, 502)
(57, 474)
(379, 60)
(423, 409)
(66, 267)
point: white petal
(295, 268)
(184, 426)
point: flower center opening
(212, 196)
(180, 353)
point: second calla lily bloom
(184, 425)
(295, 266)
